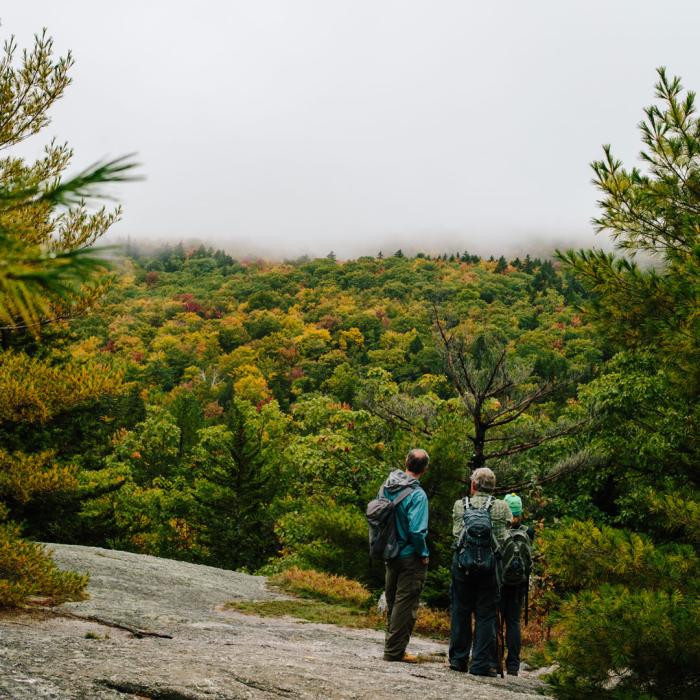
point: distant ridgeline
(242, 414)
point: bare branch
(513, 412)
(536, 442)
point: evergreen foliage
(630, 616)
(26, 569)
(653, 212)
(622, 631)
(48, 274)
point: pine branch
(583, 459)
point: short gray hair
(484, 479)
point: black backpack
(516, 553)
(476, 551)
(383, 543)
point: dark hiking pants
(405, 577)
(511, 605)
(472, 596)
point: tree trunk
(478, 460)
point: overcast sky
(303, 126)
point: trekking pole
(527, 600)
(503, 644)
(499, 642)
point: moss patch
(311, 611)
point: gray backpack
(381, 518)
(516, 553)
(477, 548)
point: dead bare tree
(496, 390)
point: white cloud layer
(285, 127)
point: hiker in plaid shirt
(501, 517)
(476, 595)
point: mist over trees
(186, 403)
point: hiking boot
(489, 673)
(512, 671)
(406, 658)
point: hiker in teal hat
(516, 554)
(515, 503)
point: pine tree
(48, 274)
(45, 226)
(233, 487)
(636, 595)
(654, 213)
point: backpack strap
(495, 544)
(399, 497)
(467, 504)
(402, 494)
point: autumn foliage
(241, 413)
(331, 588)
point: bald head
(417, 461)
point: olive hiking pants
(405, 577)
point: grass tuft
(321, 586)
(430, 623)
(311, 611)
(334, 600)
(433, 623)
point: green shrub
(610, 555)
(618, 641)
(325, 536)
(436, 592)
(26, 569)
(630, 615)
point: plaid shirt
(501, 516)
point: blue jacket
(411, 514)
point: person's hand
(425, 560)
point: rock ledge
(156, 628)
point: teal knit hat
(515, 503)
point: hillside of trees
(241, 413)
(249, 410)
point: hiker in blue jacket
(405, 575)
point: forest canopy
(241, 413)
